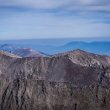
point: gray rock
(75, 80)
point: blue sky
(25, 19)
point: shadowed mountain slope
(74, 80)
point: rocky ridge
(75, 80)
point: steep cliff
(75, 80)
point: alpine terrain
(73, 80)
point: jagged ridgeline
(75, 80)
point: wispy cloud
(95, 5)
(54, 18)
(70, 7)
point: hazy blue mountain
(95, 47)
(8, 47)
(21, 51)
(52, 46)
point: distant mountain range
(22, 52)
(34, 49)
(95, 47)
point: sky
(27, 19)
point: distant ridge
(28, 52)
(102, 47)
(22, 52)
(85, 58)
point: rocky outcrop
(43, 95)
(75, 80)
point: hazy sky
(54, 18)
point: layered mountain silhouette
(102, 47)
(73, 80)
(28, 52)
(20, 51)
(94, 47)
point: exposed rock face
(6, 54)
(86, 59)
(75, 80)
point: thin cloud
(50, 4)
(54, 18)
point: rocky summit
(74, 80)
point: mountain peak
(84, 58)
(19, 51)
(78, 51)
(28, 52)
